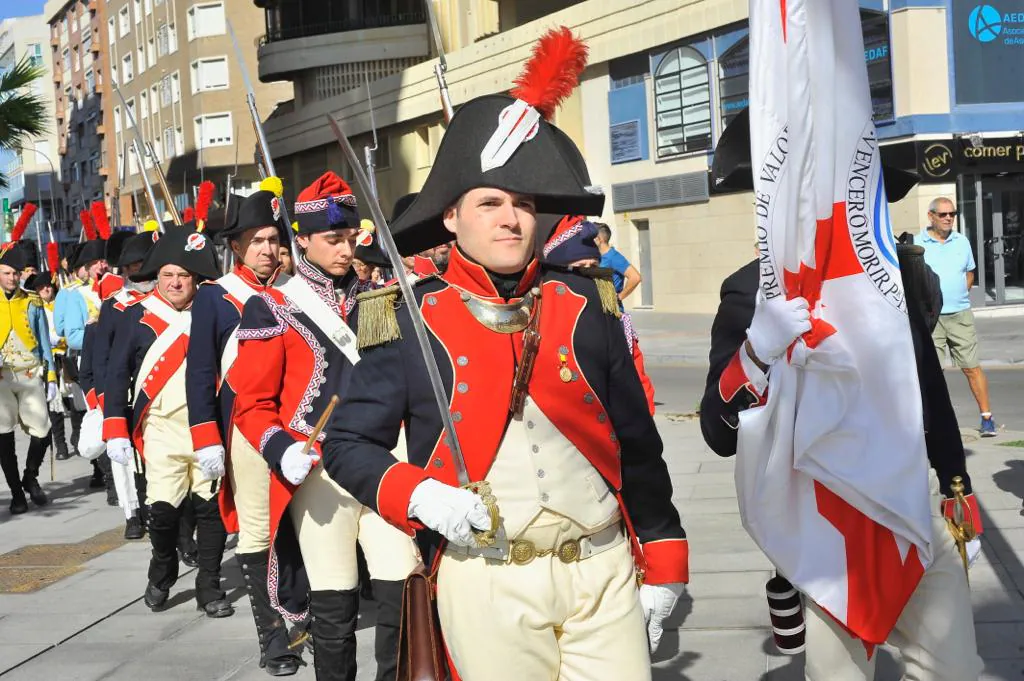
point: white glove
(973, 551)
(296, 464)
(90, 438)
(450, 511)
(776, 324)
(119, 449)
(51, 391)
(658, 601)
(211, 461)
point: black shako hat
(259, 209)
(731, 169)
(136, 248)
(182, 246)
(546, 166)
(507, 142)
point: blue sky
(20, 8)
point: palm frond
(22, 113)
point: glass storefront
(992, 215)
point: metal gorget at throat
(502, 317)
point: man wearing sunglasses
(949, 254)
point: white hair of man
(933, 207)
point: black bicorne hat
(136, 248)
(260, 209)
(29, 254)
(90, 251)
(12, 256)
(115, 245)
(182, 246)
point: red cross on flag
(832, 473)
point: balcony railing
(285, 22)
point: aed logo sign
(987, 24)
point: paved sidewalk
(92, 625)
(669, 338)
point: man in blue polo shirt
(949, 254)
(625, 277)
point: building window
(94, 163)
(66, 59)
(169, 149)
(90, 82)
(86, 43)
(875, 27)
(111, 34)
(382, 157)
(175, 87)
(76, 61)
(165, 91)
(205, 20)
(83, 21)
(129, 113)
(127, 72)
(162, 39)
(124, 22)
(682, 103)
(172, 39)
(149, 7)
(35, 54)
(214, 130)
(734, 80)
(138, 11)
(113, 72)
(151, 51)
(210, 74)
(144, 103)
(154, 100)
(142, 59)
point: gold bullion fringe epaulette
(602, 277)
(378, 323)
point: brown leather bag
(421, 655)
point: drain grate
(37, 566)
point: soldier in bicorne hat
(254, 231)
(568, 447)
(296, 338)
(145, 406)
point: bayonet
(451, 437)
(139, 146)
(441, 67)
(368, 151)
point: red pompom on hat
(325, 205)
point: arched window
(682, 102)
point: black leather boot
(30, 482)
(76, 427)
(187, 551)
(108, 478)
(275, 657)
(58, 436)
(334, 634)
(163, 565)
(389, 616)
(9, 464)
(210, 539)
(133, 528)
(96, 481)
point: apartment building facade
(184, 93)
(81, 105)
(664, 79)
(33, 170)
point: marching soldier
(145, 404)
(296, 351)
(45, 286)
(95, 359)
(25, 360)
(254, 233)
(568, 447)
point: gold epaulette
(378, 323)
(602, 277)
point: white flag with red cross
(832, 473)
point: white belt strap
(179, 324)
(328, 321)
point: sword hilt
(485, 538)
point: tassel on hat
(22, 224)
(203, 201)
(87, 225)
(151, 226)
(378, 321)
(188, 215)
(98, 209)
(553, 72)
(53, 257)
(273, 184)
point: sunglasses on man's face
(950, 214)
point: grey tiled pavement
(93, 625)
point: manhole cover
(36, 566)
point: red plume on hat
(188, 214)
(87, 225)
(203, 201)
(22, 224)
(100, 219)
(553, 72)
(53, 257)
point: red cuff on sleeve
(668, 561)
(91, 400)
(972, 513)
(116, 426)
(393, 492)
(102, 401)
(734, 379)
(205, 435)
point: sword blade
(388, 242)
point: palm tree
(22, 112)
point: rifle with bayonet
(139, 147)
(441, 67)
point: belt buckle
(569, 551)
(522, 552)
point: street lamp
(53, 181)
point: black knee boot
(106, 470)
(76, 428)
(275, 656)
(96, 481)
(334, 634)
(210, 539)
(163, 565)
(58, 436)
(140, 488)
(186, 534)
(9, 464)
(30, 482)
(389, 616)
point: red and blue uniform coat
(602, 410)
(124, 410)
(211, 397)
(98, 345)
(296, 369)
(729, 391)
